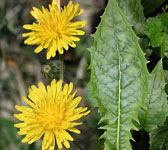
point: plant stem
(61, 68)
(57, 2)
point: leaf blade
(157, 107)
(159, 138)
(134, 13)
(118, 76)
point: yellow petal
(42, 88)
(28, 34)
(65, 89)
(67, 136)
(59, 86)
(59, 142)
(23, 132)
(24, 140)
(19, 125)
(72, 44)
(28, 102)
(49, 53)
(38, 136)
(73, 38)
(70, 88)
(74, 130)
(38, 49)
(27, 26)
(75, 102)
(66, 143)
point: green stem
(61, 68)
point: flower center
(50, 116)
(53, 30)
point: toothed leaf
(159, 138)
(119, 77)
(156, 101)
(134, 13)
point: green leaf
(119, 77)
(156, 101)
(154, 29)
(134, 12)
(164, 46)
(164, 19)
(151, 5)
(159, 138)
(9, 136)
(157, 31)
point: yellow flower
(53, 29)
(51, 113)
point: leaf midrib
(119, 102)
(119, 94)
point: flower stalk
(61, 67)
(57, 2)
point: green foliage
(119, 77)
(134, 12)
(164, 45)
(8, 135)
(10, 139)
(154, 31)
(156, 101)
(159, 138)
(157, 31)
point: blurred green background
(20, 68)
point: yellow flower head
(53, 29)
(51, 113)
